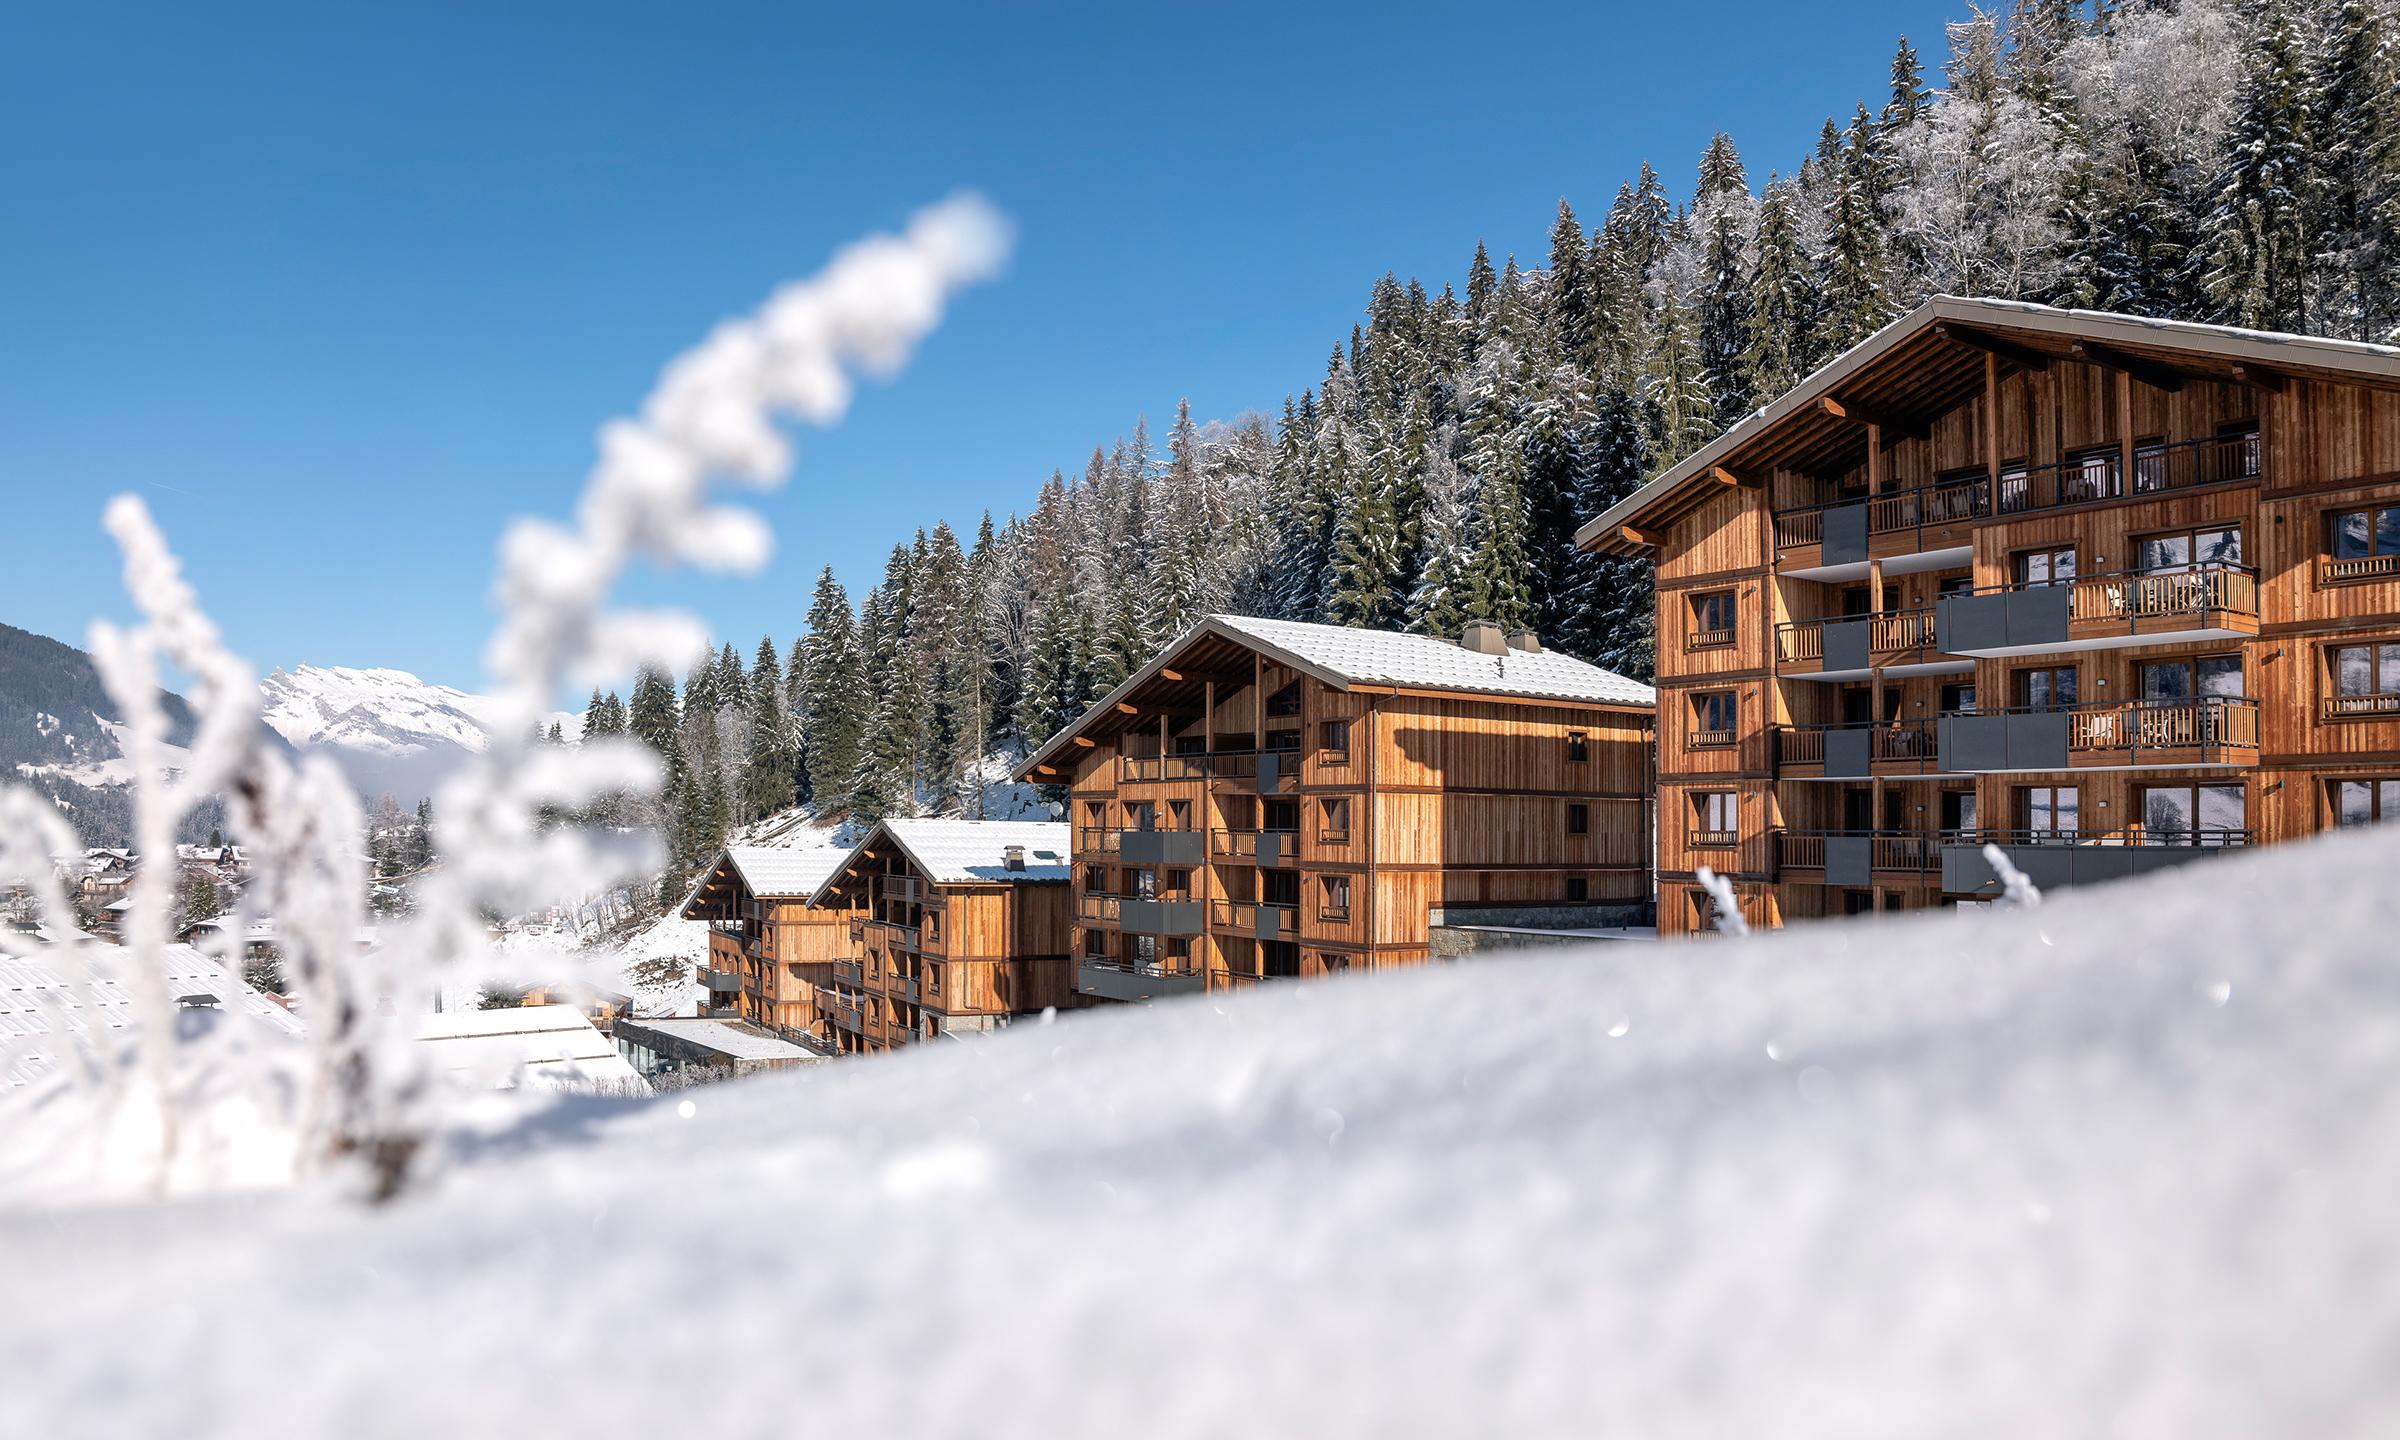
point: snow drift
(2118, 1165)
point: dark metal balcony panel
(1845, 535)
(1162, 917)
(1965, 871)
(1114, 982)
(2025, 619)
(724, 980)
(1270, 847)
(2004, 742)
(1848, 644)
(1269, 922)
(1270, 771)
(1162, 847)
(1849, 754)
(1849, 859)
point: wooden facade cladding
(765, 954)
(2080, 567)
(923, 957)
(1237, 819)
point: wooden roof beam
(2009, 350)
(1895, 428)
(1632, 536)
(2271, 381)
(1724, 476)
(2153, 373)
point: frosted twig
(1728, 905)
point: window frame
(1699, 703)
(2377, 703)
(1700, 635)
(1333, 742)
(2020, 570)
(1579, 818)
(2383, 801)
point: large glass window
(2365, 802)
(2189, 549)
(2358, 534)
(2046, 567)
(1714, 815)
(2366, 678)
(2195, 814)
(2047, 687)
(2169, 682)
(2050, 811)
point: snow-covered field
(2122, 1166)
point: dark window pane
(2388, 670)
(2167, 812)
(2165, 552)
(2168, 681)
(2354, 670)
(2350, 535)
(2220, 547)
(2223, 808)
(2354, 802)
(2221, 675)
(2387, 531)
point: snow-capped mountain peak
(389, 730)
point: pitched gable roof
(968, 852)
(1343, 657)
(2013, 324)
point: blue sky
(338, 294)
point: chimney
(1525, 640)
(1016, 857)
(1483, 637)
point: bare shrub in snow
(712, 420)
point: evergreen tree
(832, 682)
(2355, 132)
(2256, 245)
(770, 780)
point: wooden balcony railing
(1096, 840)
(1707, 639)
(1708, 739)
(2333, 570)
(1898, 742)
(2352, 707)
(1891, 513)
(1906, 851)
(1894, 631)
(1243, 844)
(2165, 595)
(1697, 839)
(1246, 915)
(2212, 722)
(1097, 906)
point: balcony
(2351, 569)
(2098, 475)
(1137, 980)
(1144, 914)
(2102, 612)
(1259, 920)
(1849, 646)
(848, 972)
(1856, 857)
(1095, 840)
(1259, 847)
(2380, 706)
(1263, 772)
(2052, 858)
(1857, 752)
(1931, 522)
(1161, 847)
(2212, 730)
(722, 982)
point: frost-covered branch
(1728, 905)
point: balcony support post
(1878, 463)
(2124, 432)
(1991, 428)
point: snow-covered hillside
(2121, 1165)
(389, 730)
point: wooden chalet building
(767, 950)
(2112, 593)
(1268, 799)
(951, 926)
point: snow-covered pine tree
(2354, 125)
(770, 780)
(833, 684)
(2255, 251)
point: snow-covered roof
(971, 852)
(1343, 656)
(538, 1044)
(2220, 342)
(784, 872)
(726, 1038)
(38, 988)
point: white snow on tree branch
(710, 422)
(1727, 904)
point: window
(1331, 962)
(1283, 740)
(2046, 687)
(1714, 817)
(1579, 819)
(2050, 811)
(1333, 821)
(1180, 951)
(2089, 475)
(2188, 549)
(1333, 897)
(1712, 718)
(2046, 567)
(1712, 619)
(1333, 742)
(1179, 882)
(2195, 814)
(1579, 747)
(1958, 699)
(1958, 810)
(1283, 816)
(2362, 544)
(2174, 682)
(1579, 889)
(1179, 814)
(2365, 802)
(1279, 958)
(2366, 679)
(1095, 943)
(1285, 701)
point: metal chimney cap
(1484, 638)
(1525, 640)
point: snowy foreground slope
(2121, 1166)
